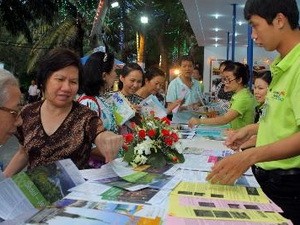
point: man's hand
(229, 169)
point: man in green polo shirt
(276, 157)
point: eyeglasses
(13, 112)
(226, 81)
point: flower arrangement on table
(154, 142)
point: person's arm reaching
(17, 163)
(109, 144)
(236, 139)
(219, 120)
(232, 167)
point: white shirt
(33, 90)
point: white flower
(140, 159)
(151, 124)
(143, 159)
(144, 147)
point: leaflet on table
(212, 132)
(91, 187)
(192, 175)
(136, 180)
(105, 171)
(176, 209)
(121, 208)
(121, 108)
(172, 220)
(227, 192)
(79, 216)
(46, 184)
(204, 143)
(151, 104)
(224, 204)
(13, 201)
(37, 188)
(121, 195)
(197, 162)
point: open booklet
(152, 104)
(37, 188)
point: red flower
(142, 134)
(128, 138)
(133, 125)
(168, 141)
(165, 132)
(175, 159)
(166, 120)
(152, 113)
(175, 137)
(151, 133)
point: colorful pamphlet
(37, 188)
(151, 104)
(121, 108)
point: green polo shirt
(281, 116)
(244, 103)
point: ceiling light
(240, 23)
(144, 19)
(216, 45)
(216, 15)
(115, 4)
(216, 29)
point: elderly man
(10, 96)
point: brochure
(121, 108)
(37, 188)
(151, 104)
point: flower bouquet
(154, 142)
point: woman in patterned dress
(58, 127)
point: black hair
(266, 76)
(200, 74)
(97, 64)
(239, 70)
(129, 67)
(268, 9)
(153, 72)
(225, 63)
(185, 58)
(57, 59)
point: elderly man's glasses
(13, 112)
(227, 81)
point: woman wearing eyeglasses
(242, 103)
(10, 96)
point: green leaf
(129, 155)
(179, 156)
(157, 160)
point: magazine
(37, 188)
(151, 104)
